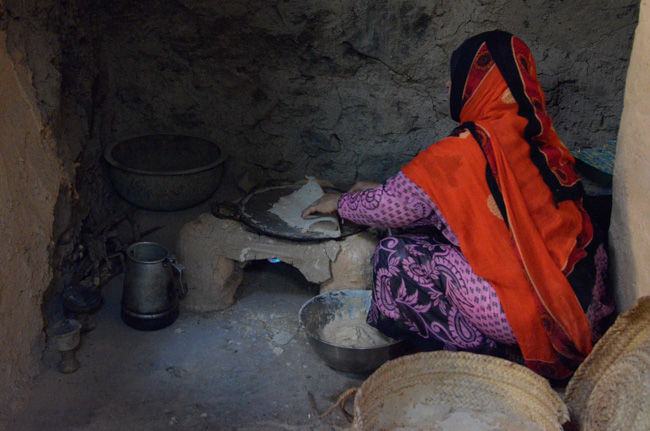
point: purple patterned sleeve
(398, 203)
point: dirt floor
(249, 367)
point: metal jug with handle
(153, 283)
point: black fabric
(460, 65)
(583, 276)
(489, 175)
(599, 209)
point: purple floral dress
(424, 288)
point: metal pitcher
(153, 283)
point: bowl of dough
(335, 325)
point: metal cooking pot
(165, 172)
(322, 309)
(153, 283)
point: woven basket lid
(460, 380)
(611, 388)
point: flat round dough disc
(254, 212)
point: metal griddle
(254, 213)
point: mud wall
(344, 90)
(630, 228)
(30, 175)
(50, 178)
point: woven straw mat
(611, 388)
(460, 380)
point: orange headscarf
(506, 185)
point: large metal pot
(165, 172)
(322, 309)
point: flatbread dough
(289, 208)
(354, 332)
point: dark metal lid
(254, 213)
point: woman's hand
(327, 204)
(363, 185)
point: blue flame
(274, 260)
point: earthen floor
(248, 367)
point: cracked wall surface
(50, 175)
(344, 90)
(29, 183)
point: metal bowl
(165, 172)
(322, 309)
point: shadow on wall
(343, 90)
(30, 175)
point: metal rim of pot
(344, 292)
(147, 244)
(108, 156)
(168, 259)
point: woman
(499, 251)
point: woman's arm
(328, 203)
(398, 203)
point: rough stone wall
(86, 196)
(50, 177)
(630, 228)
(344, 90)
(30, 175)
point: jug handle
(177, 271)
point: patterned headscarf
(471, 62)
(505, 183)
